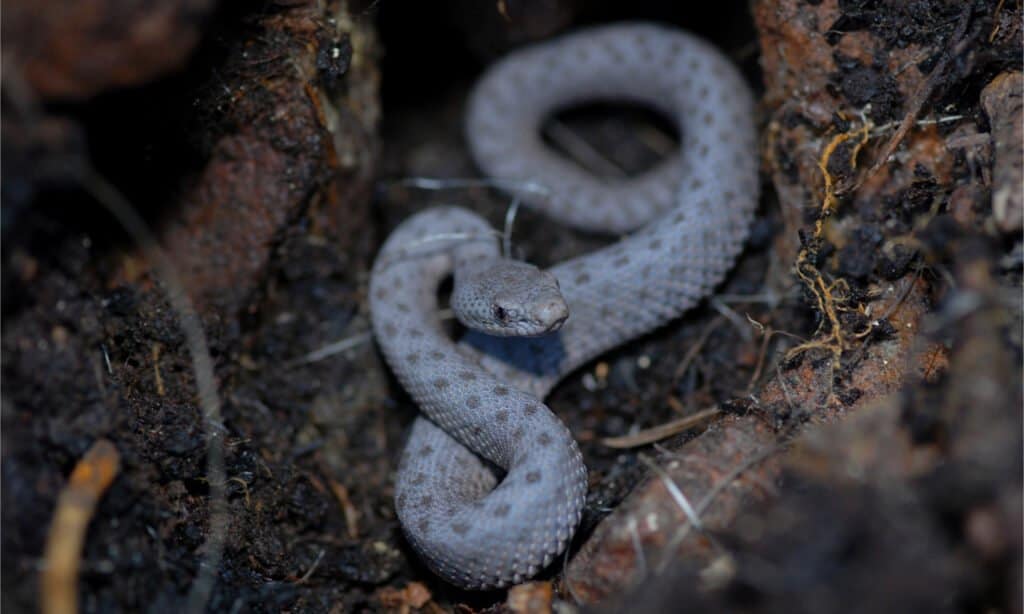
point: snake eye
(500, 313)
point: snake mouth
(554, 327)
(549, 327)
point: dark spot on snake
(531, 409)
(419, 478)
(582, 278)
(423, 526)
(426, 501)
(402, 307)
(467, 376)
(543, 439)
(381, 293)
(654, 244)
(533, 477)
(416, 334)
(501, 390)
(440, 383)
(437, 355)
(426, 451)
(460, 527)
(621, 262)
(502, 510)
(501, 416)
(412, 358)
(390, 330)
(473, 402)
(517, 435)
(696, 184)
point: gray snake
(491, 484)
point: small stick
(581, 152)
(434, 184)
(349, 510)
(638, 548)
(677, 495)
(312, 568)
(155, 351)
(331, 349)
(696, 347)
(510, 218)
(709, 498)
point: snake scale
(491, 484)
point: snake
(491, 485)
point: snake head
(508, 298)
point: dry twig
(75, 507)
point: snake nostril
(552, 313)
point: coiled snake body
(491, 484)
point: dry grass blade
(202, 364)
(661, 431)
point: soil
(865, 353)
